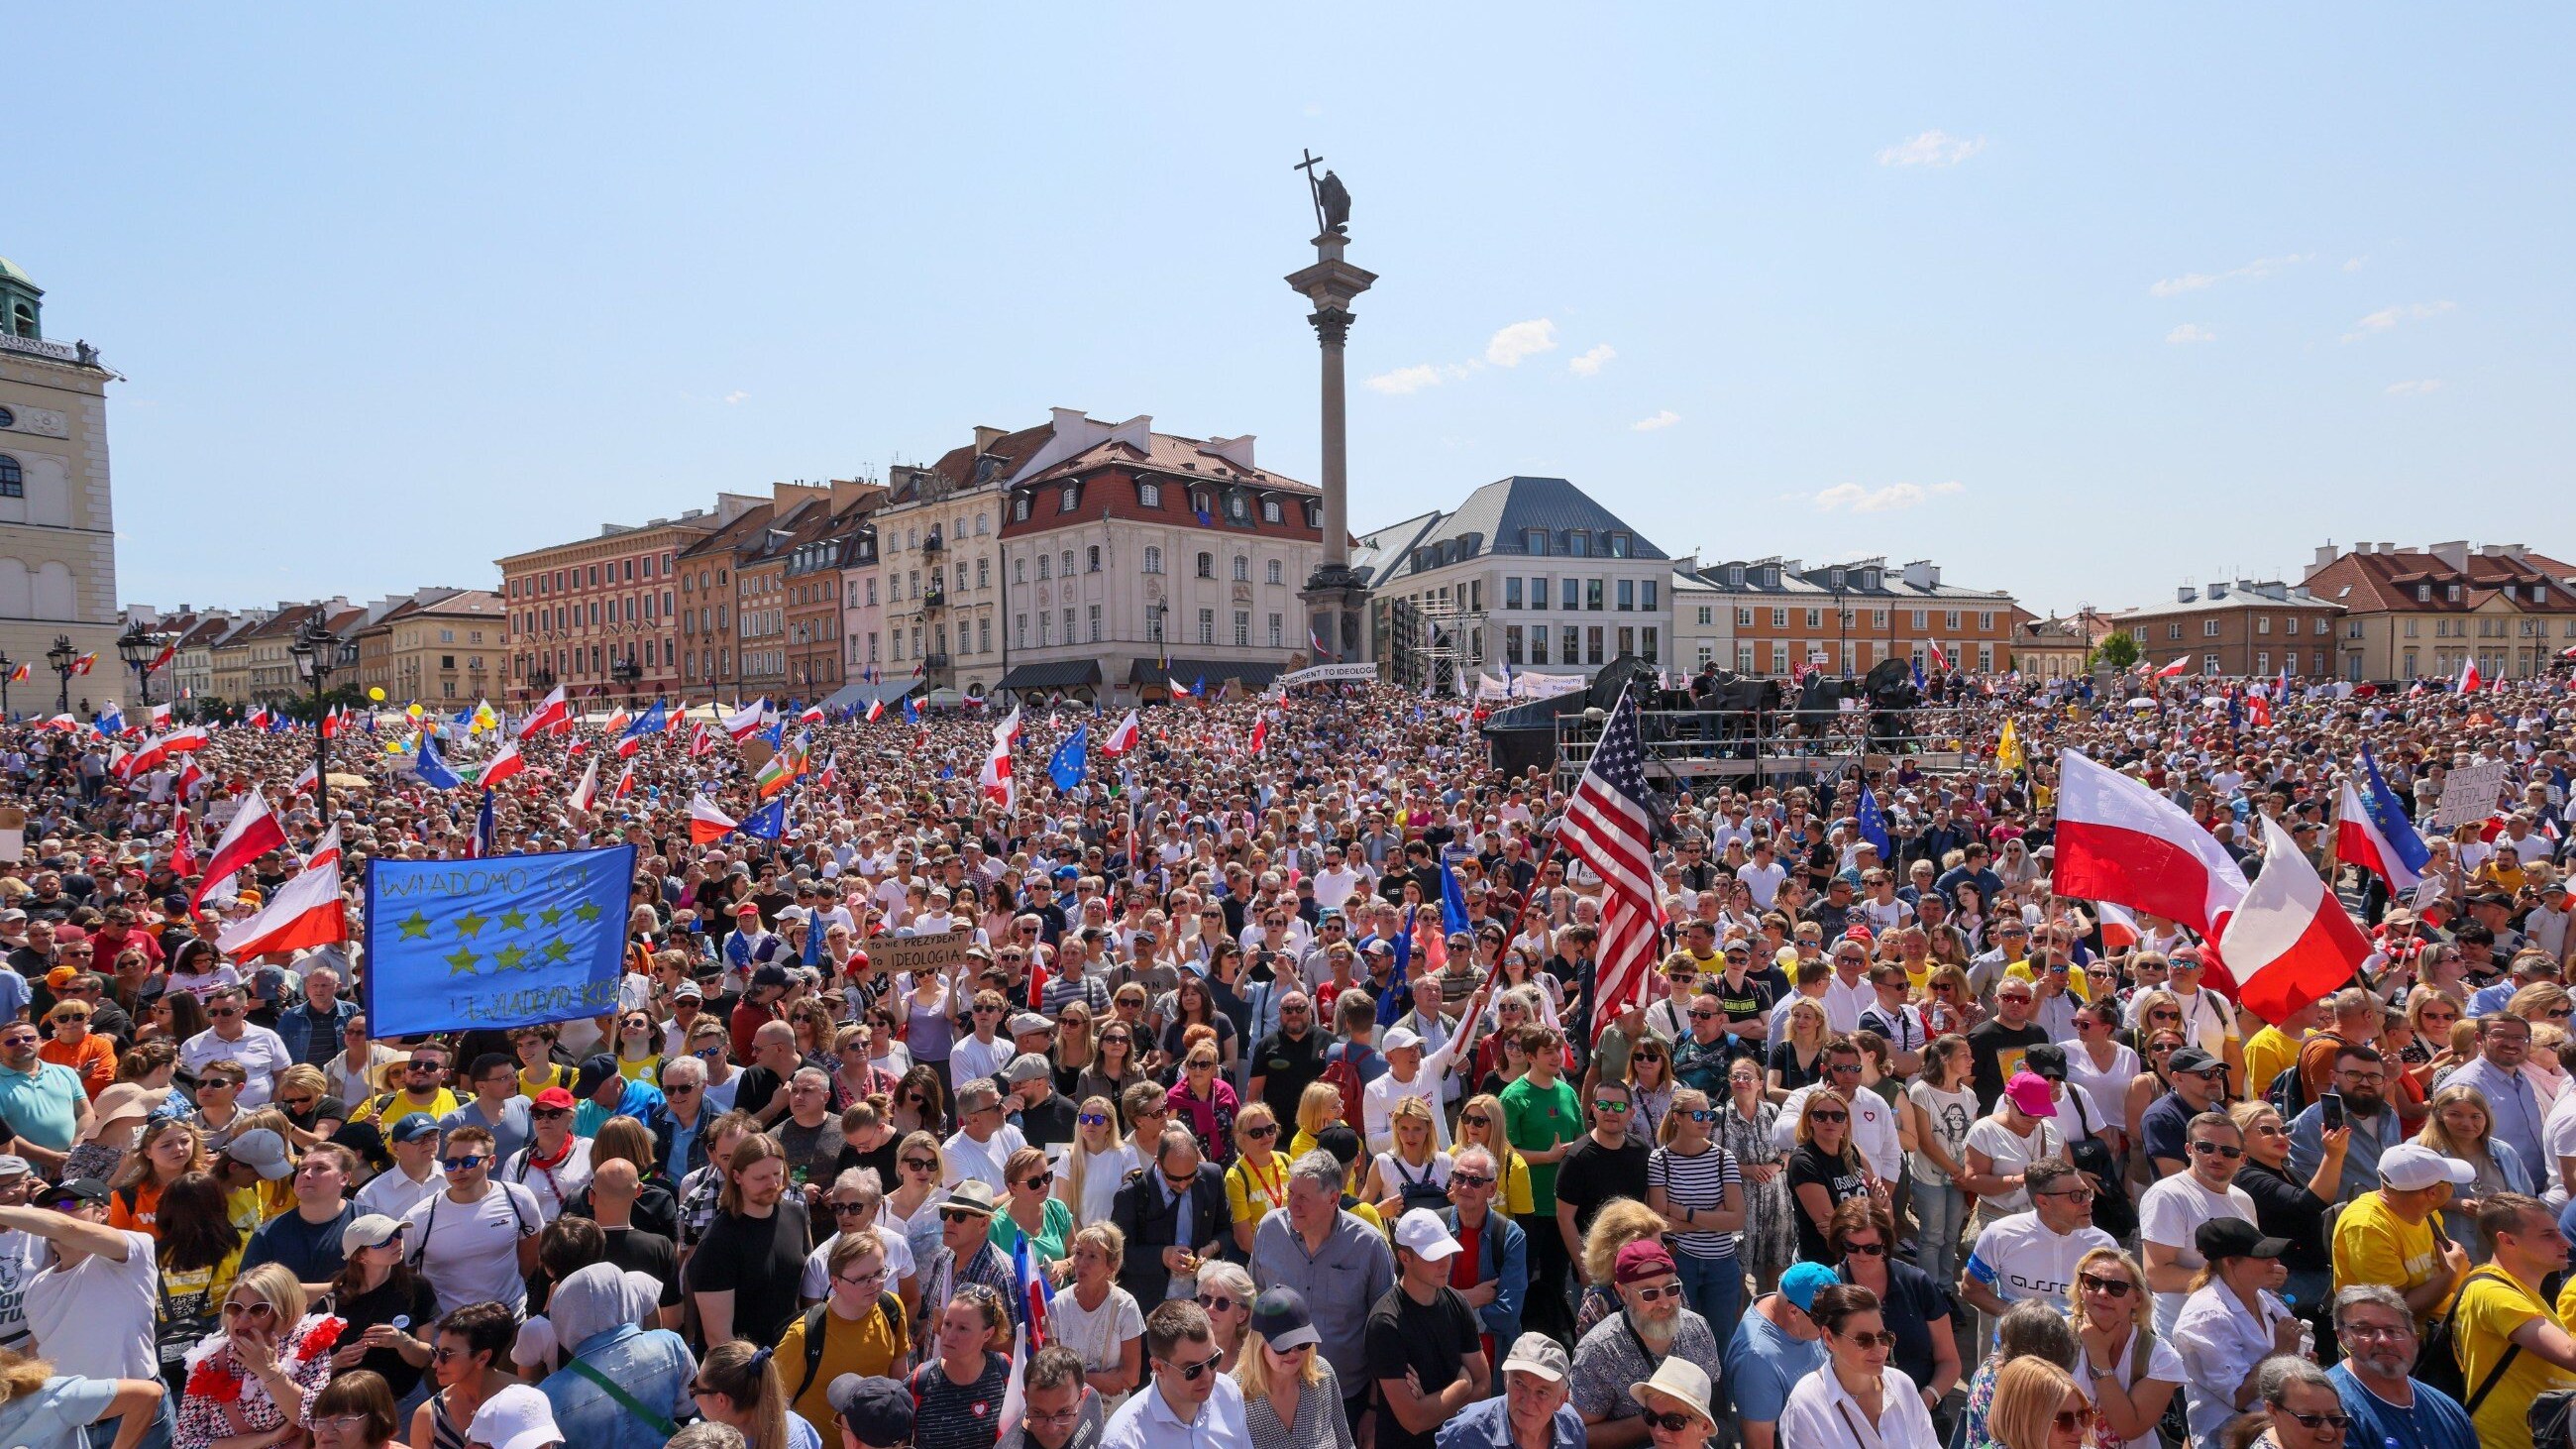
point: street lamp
(8, 666)
(138, 646)
(316, 652)
(61, 657)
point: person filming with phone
(2357, 1102)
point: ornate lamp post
(138, 646)
(316, 651)
(61, 657)
(8, 666)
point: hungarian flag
(253, 833)
(707, 824)
(1123, 738)
(586, 794)
(306, 911)
(550, 711)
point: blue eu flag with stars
(1071, 762)
(502, 942)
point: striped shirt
(1696, 1182)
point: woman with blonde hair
(1318, 1107)
(1097, 1164)
(738, 1385)
(1480, 1124)
(1258, 1180)
(1031, 1210)
(70, 1043)
(1414, 1172)
(1621, 1221)
(1225, 1294)
(1292, 1399)
(260, 1374)
(1798, 1058)
(2037, 1406)
(2109, 1308)
(2459, 1124)
(41, 1409)
(169, 1149)
(1099, 1320)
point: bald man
(614, 1186)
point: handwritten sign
(2469, 794)
(935, 951)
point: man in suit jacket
(1173, 1214)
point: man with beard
(2361, 1080)
(1652, 1325)
(1995, 1047)
(1287, 1060)
(2375, 1380)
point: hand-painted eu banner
(511, 940)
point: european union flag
(433, 770)
(769, 822)
(651, 721)
(776, 734)
(1873, 826)
(911, 711)
(508, 941)
(1071, 762)
(1453, 901)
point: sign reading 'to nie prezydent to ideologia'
(507, 941)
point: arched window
(1153, 559)
(13, 479)
(1207, 565)
(1068, 563)
(1242, 569)
(1046, 567)
(1270, 574)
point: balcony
(934, 598)
(933, 543)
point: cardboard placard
(935, 951)
(2469, 794)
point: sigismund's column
(1336, 596)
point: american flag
(1610, 826)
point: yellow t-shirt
(2077, 984)
(1516, 1188)
(533, 1080)
(386, 1109)
(2492, 1305)
(2268, 1053)
(873, 1347)
(1254, 1191)
(2375, 1245)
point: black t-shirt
(1048, 1123)
(1839, 1181)
(2286, 1209)
(1912, 1304)
(1432, 1339)
(881, 1158)
(1784, 1060)
(390, 1300)
(1287, 1066)
(1994, 1049)
(637, 1251)
(757, 1086)
(761, 1261)
(1593, 1174)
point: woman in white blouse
(1856, 1398)
(2231, 1322)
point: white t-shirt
(21, 1255)
(96, 1318)
(470, 1254)
(393, 1194)
(2170, 1213)
(2107, 1086)
(2163, 1365)
(1951, 1114)
(2010, 1154)
(2557, 1139)
(1334, 886)
(552, 1187)
(1763, 880)
(964, 1158)
(261, 1052)
(899, 1263)
(2018, 1257)
(1098, 1333)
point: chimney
(2186, 594)
(2327, 553)
(2217, 591)
(986, 437)
(2454, 552)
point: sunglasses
(1262, 1133)
(463, 1164)
(2218, 1149)
(548, 1114)
(1655, 1295)
(1216, 1303)
(2313, 1421)
(1829, 1116)
(1616, 1108)
(1193, 1372)
(248, 1310)
(1671, 1423)
(1040, 1182)
(961, 1215)
(1866, 1250)
(1470, 1179)
(2111, 1287)
(1884, 1338)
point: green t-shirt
(1537, 1118)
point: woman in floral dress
(1744, 1127)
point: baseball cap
(263, 1150)
(414, 1126)
(1279, 1315)
(876, 1411)
(2192, 1060)
(1420, 1230)
(79, 1189)
(2409, 1168)
(2235, 1238)
(595, 1070)
(1803, 1281)
(12, 1165)
(1641, 1260)
(1536, 1353)
(771, 974)
(555, 1099)
(2030, 1092)
(373, 1230)
(694, 992)
(517, 1417)
(1400, 1039)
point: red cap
(555, 1097)
(1640, 1260)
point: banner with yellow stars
(507, 941)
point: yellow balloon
(376, 693)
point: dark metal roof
(1054, 674)
(1498, 519)
(1247, 673)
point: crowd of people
(1208, 1123)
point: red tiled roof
(2386, 582)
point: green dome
(9, 271)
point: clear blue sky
(2081, 301)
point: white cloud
(1657, 423)
(1591, 363)
(2387, 317)
(1521, 339)
(737, 395)
(2190, 332)
(1406, 379)
(2253, 271)
(1852, 498)
(2353, 264)
(2415, 387)
(1931, 148)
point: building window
(1649, 649)
(1815, 619)
(1046, 567)
(1744, 659)
(1207, 626)
(1046, 630)
(1242, 629)
(1534, 541)
(2263, 624)
(1278, 631)
(1019, 630)
(1207, 565)
(1578, 543)
(1242, 569)
(983, 636)
(1091, 559)
(2173, 631)
(1512, 644)
(1537, 644)
(1592, 594)
(2209, 628)
(1512, 593)
(1270, 572)
(1149, 495)
(1020, 510)
(1627, 596)
(1153, 559)
(1154, 624)
(1592, 641)
(1878, 619)
(1067, 496)
(1646, 595)
(1095, 623)
(2263, 661)
(2209, 664)
(1627, 639)
(1270, 510)
(1570, 644)
(1986, 623)
(13, 479)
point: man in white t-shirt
(21, 1254)
(1762, 875)
(477, 1241)
(2173, 1209)
(1336, 882)
(984, 1140)
(2033, 1254)
(92, 1307)
(853, 1202)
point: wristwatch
(2095, 1371)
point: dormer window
(1149, 495)
(1270, 512)
(1238, 509)
(1198, 500)
(1836, 575)
(1067, 496)
(1735, 576)
(1314, 514)
(2451, 592)
(1020, 509)
(1578, 543)
(1534, 542)
(1618, 545)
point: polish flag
(306, 911)
(2119, 928)
(585, 795)
(2177, 667)
(702, 743)
(2470, 681)
(1008, 731)
(502, 766)
(2372, 831)
(1178, 689)
(831, 775)
(679, 719)
(305, 782)
(1260, 733)
(178, 742)
(707, 824)
(551, 710)
(627, 745)
(2289, 941)
(326, 851)
(741, 723)
(190, 779)
(1123, 738)
(876, 707)
(573, 750)
(2121, 842)
(618, 719)
(168, 652)
(1939, 659)
(183, 851)
(253, 833)
(999, 787)
(812, 714)
(625, 783)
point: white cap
(517, 1417)
(1420, 1230)
(2409, 1168)
(1400, 1038)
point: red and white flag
(1123, 738)
(811, 714)
(550, 711)
(2119, 928)
(325, 850)
(183, 848)
(1008, 731)
(741, 723)
(253, 833)
(1260, 733)
(702, 743)
(586, 794)
(999, 787)
(1939, 659)
(306, 911)
(876, 707)
(2289, 941)
(627, 745)
(2121, 842)
(190, 780)
(161, 660)
(625, 782)
(707, 824)
(305, 782)
(159, 717)
(1609, 825)
(502, 766)
(177, 742)
(2177, 667)
(617, 718)
(2470, 680)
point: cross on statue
(1332, 200)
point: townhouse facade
(1779, 617)
(2249, 628)
(2413, 613)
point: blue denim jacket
(1502, 1252)
(653, 1365)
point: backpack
(2113, 1212)
(2287, 1092)
(1345, 1078)
(1413, 1192)
(2439, 1363)
(2551, 1417)
(818, 1319)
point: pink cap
(2030, 1092)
